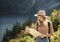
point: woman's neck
(42, 21)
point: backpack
(48, 29)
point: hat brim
(37, 15)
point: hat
(42, 11)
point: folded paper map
(33, 32)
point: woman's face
(40, 18)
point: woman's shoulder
(49, 21)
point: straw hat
(41, 13)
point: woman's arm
(51, 30)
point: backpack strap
(37, 26)
(49, 27)
(49, 30)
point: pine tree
(16, 29)
(6, 35)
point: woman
(42, 27)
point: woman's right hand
(42, 35)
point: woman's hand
(42, 35)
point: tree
(16, 29)
(27, 23)
(6, 35)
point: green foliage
(55, 37)
(0, 41)
(55, 18)
(14, 40)
(23, 39)
(55, 24)
(28, 39)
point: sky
(12, 11)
